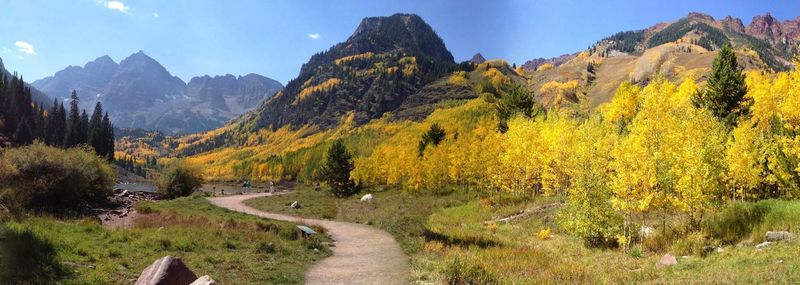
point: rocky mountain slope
(140, 93)
(681, 49)
(384, 61)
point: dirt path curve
(362, 255)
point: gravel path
(362, 254)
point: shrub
(692, 244)
(544, 234)
(179, 179)
(46, 179)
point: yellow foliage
(546, 66)
(458, 78)
(544, 234)
(497, 78)
(322, 87)
(560, 92)
(346, 59)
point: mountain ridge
(139, 92)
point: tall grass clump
(742, 220)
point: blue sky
(274, 38)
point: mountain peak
(734, 24)
(404, 31)
(700, 16)
(477, 59)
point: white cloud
(25, 47)
(155, 15)
(314, 36)
(119, 6)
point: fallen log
(525, 213)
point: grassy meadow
(449, 241)
(232, 248)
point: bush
(692, 244)
(179, 179)
(46, 179)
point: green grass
(518, 256)
(314, 204)
(232, 248)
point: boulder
(646, 231)
(295, 205)
(167, 270)
(204, 280)
(366, 198)
(777, 236)
(667, 260)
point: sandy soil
(362, 254)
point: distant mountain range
(139, 92)
(773, 40)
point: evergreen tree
(24, 134)
(724, 94)
(83, 128)
(97, 136)
(108, 139)
(433, 136)
(59, 132)
(517, 101)
(72, 137)
(336, 171)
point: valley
(661, 155)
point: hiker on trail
(271, 187)
(316, 186)
(244, 187)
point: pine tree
(83, 128)
(108, 139)
(24, 134)
(336, 171)
(72, 137)
(724, 94)
(516, 101)
(97, 131)
(433, 136)
(59, 132)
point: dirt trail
(362, 254)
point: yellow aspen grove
(521, 163)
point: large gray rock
(667, 260)
(167, 270)
(204, 280)
(777, 236)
